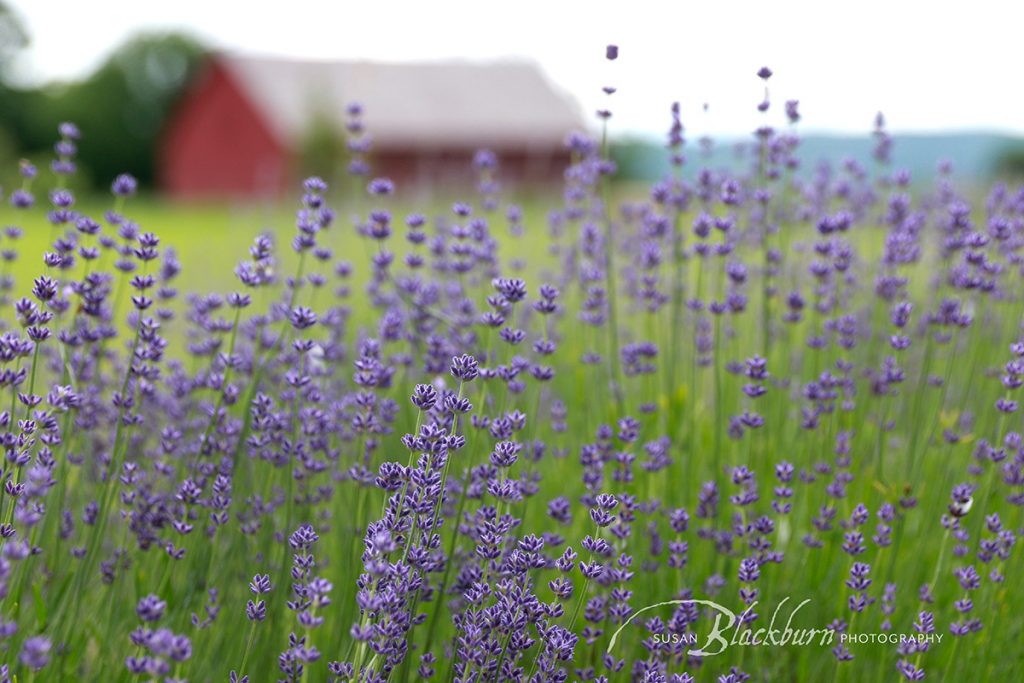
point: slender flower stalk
(534, 437)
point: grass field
(722, 402)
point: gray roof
(425, 104)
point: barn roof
(427, 104)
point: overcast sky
(929, 65)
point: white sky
(930, 66)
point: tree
(1010, 162)
(121, 108)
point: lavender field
(748, 425)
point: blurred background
(211, 100)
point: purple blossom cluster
(471, 454)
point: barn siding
(516, 165)
(217, 144)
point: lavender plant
(478, 448)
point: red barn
(239, 128)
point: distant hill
(973, 155)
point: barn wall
(451, 166)
(217, 145)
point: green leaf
(37, 598)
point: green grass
(693, 407)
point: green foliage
(322, 149)
(1010, 162)
(633, 159)
(122, 107)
